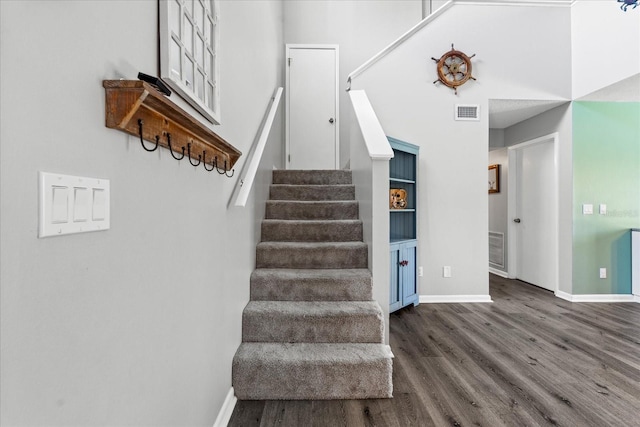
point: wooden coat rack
(139, 109)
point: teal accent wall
(606, 170)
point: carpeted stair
(311, 330)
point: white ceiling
(507, 112)
(627, 90)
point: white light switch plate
(587, 209)
(72, 204)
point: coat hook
(215, 163)
(204, 162)
(140, 123)
(189, 152)
(225, 170)
(171, 149)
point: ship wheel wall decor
(454, 69)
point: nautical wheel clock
(454, 69)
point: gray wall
(498, 221)
(136, 325)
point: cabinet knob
(404, 263)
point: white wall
(360, 27)
(136, 325)
(605, 45)
(453, 218)
(556, 120)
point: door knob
(517, 220)
(331, 120)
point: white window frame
(176, 17)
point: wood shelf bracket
(137, 108)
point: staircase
(311, 330)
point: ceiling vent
(467, 112)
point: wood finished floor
(527, 359)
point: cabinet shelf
(406, 181)
(128, 101)
(401, 210)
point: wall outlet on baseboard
(446, 271)
(603, 273)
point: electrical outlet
(420, 271)
(446, 271)
(603, 273)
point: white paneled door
(312, 107)
(535, 219)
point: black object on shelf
(155, 82)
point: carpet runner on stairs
(311, 329)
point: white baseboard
(596, 297)
(227, 410)
(438, 299)
(499, 272)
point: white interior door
(312, 107)
(535, 215)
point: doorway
(533, 212)
(311, 107)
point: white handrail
(241, 193)
(374, 137)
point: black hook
(215, 163)
(225, 170)
(171, 149)
(140, 123)
(204, 160)
(189, 152)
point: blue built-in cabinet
(403, 175)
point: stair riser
(304, 231)
(309, 381)
(311, 285)
(283, 327)
(312, 177)
(311, 291)
(312, 257)
(295, 210)
(312, 192)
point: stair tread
(312, 176)
(311, 273)
(307, 353)
(318, 245)
(311, 221)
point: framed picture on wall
(494, 179)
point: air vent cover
(467, 112)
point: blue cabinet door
(410, 274)
(403, 278)
(395, 296)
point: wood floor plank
(527, 359)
